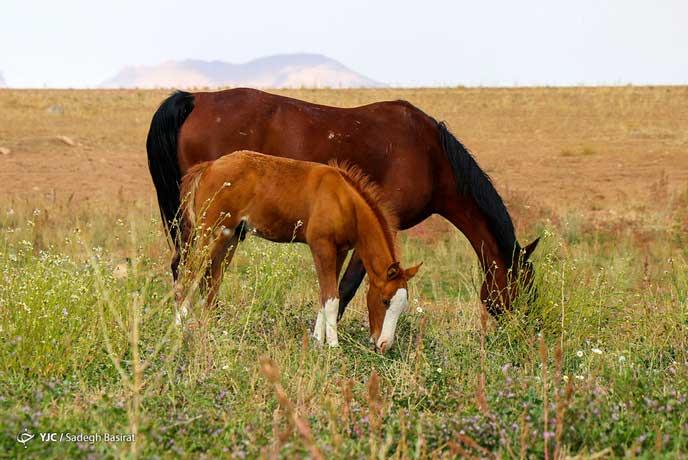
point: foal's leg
(221, 255)
(353, 276)
(326, 258)
(181, 298)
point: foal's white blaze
(397, 306)
(331, 309)
(319, 329)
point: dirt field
(600, 151)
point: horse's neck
(371, 242)
(475, 227)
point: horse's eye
(387, 302)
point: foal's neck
(374, 241)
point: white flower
(597, 351)
(622, 358)
(580, 377)
(419, 310)
(439, 370)
(579, 353)
(225, 367)
(566, 378)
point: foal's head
(387, 300)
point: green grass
(88, 345)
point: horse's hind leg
(179, 247)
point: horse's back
(394, 142)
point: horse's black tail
(162, 155)
(473, 181)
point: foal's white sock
(319, 329)
(331, 309)
(182, 312)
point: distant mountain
(279, 71)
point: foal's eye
(387, 302)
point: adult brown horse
(422, 168)
(332, 208)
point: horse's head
(502, 287)
(387, 300)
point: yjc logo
(24, 437)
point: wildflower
(597, 351)
(566, 378)
(419, 310)
(64, 312)
(579, 353)
(580, 377)
(622, 358)
(439, 370)
(225, 367)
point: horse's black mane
(472, 180)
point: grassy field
(596, 368)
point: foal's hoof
(382, 347)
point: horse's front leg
(326, 258)
(353, 276)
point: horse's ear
(528, 250)
(393, 271)
(411, 272)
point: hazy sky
(69, 43)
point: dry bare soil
(600, 151)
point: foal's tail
(162, 155)
(187, 194)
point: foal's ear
(393, 271)
(411, 272)
(528, 250)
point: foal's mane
(372, 194)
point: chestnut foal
(331, 208)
